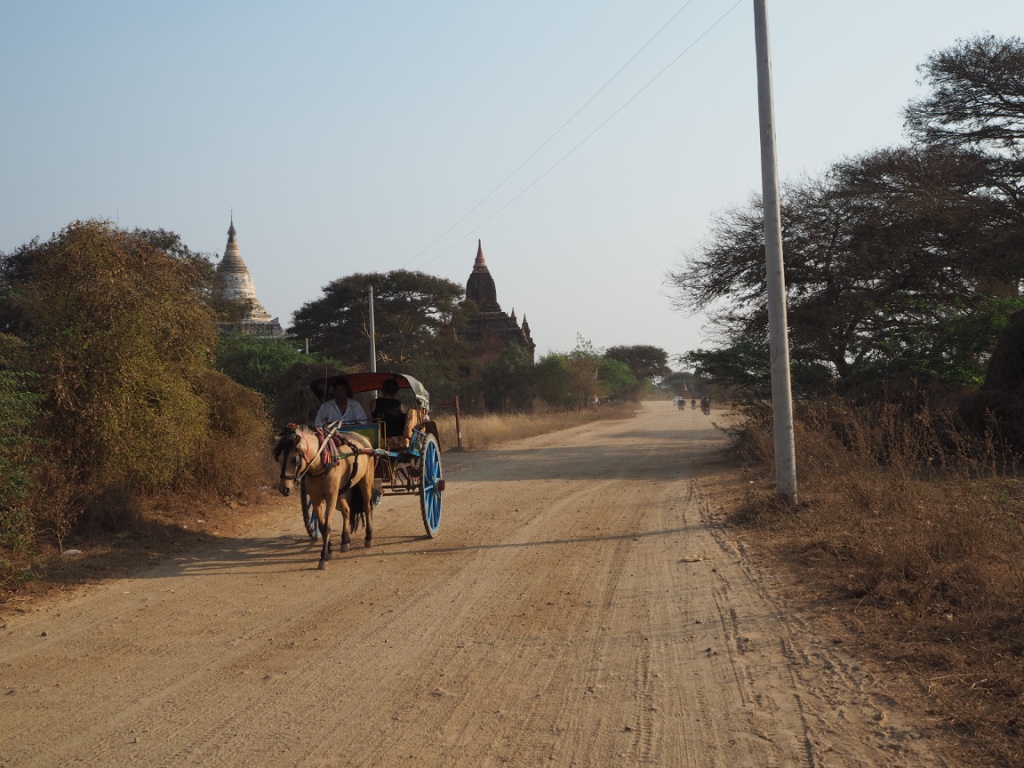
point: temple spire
(236, 282)
(480, 265)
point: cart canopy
(368, 381)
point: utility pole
(373, 336)
(778, 332)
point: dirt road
(578, 609)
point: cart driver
(342, 408)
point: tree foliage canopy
(256, 362)
(903, 262)
(415, 319)
(508, 380)
(887, 255)
(645, 362)
(977, 96)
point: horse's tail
(357, 510)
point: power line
(549, 139)
(583, 141)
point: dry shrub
(111, 510)
(232, 458)
(919, 528)
(482, 432)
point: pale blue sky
(351, 136)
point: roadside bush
(918, 526)
(19, 454)
(233, 457)
(117, 336)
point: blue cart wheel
(309, 518)
(431, 487)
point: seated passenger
(342, 408)
(389, 409)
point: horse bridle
(300, 471)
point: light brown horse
(336, 476)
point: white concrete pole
(373, 336)
(778, 332)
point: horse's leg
(330, 499)
(346, 525)
(323, 516)
(366, 490)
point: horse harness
(330, 453)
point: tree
(745, 365)
(617, 381)
(976, 99)
(415, 318)
(976, 105)
(645, 362)
(680, 382)
(553, 380)
(508, 380)
(901, 242)
(745, 368)
(256, 362)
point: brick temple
(491, 329)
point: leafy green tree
(256, 362)
(553, 380)
(508, 380)
(415, 319)
(645, 362)
(617, 380)
(745, 367)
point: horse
(334, 469)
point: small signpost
(452, 406)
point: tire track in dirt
(581, 608)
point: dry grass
(482, 432)
(916, 533)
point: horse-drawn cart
(407, 462)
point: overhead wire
(550, 138)
(583, 141)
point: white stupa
(235, 284)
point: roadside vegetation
(127, 393)
(904, 270)
(912, 529)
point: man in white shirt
(341, 408)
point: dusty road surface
(578, 609)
